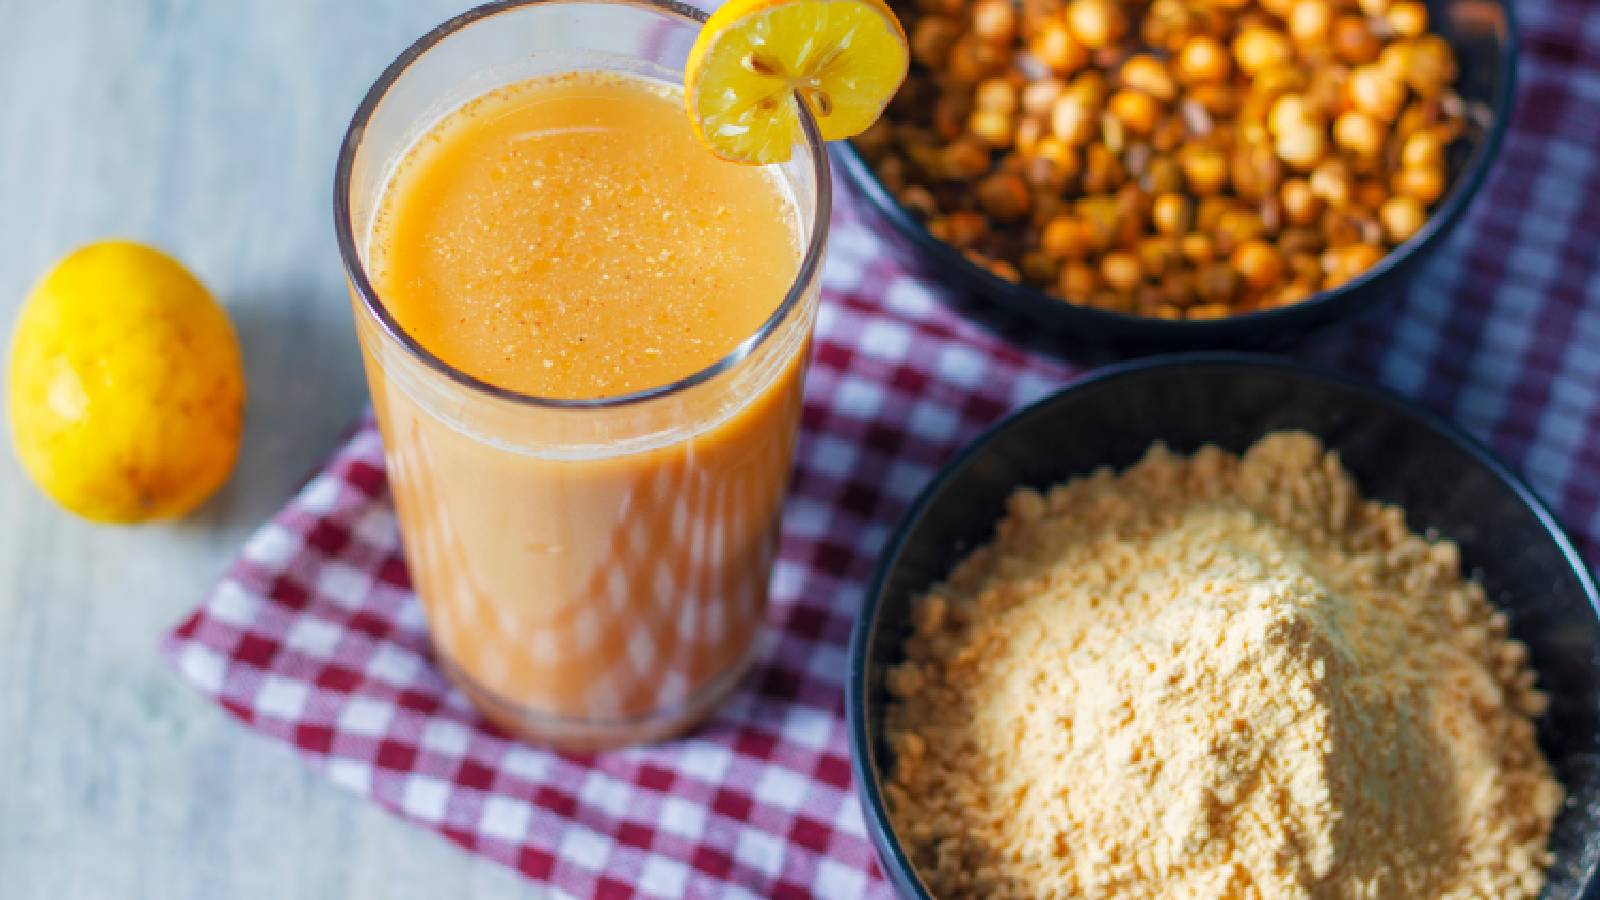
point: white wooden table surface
(209, 128)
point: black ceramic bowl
(1398, 453)
(1484, 36)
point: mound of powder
(1217, 677)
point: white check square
(282, 698)
(505, 819)
(426, 797)
(368, 718)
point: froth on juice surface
(569, 238)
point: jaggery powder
(1223, 677)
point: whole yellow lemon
(126, 388)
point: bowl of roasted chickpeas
(1185, 173)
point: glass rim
(805, 277)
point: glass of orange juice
(585, 338)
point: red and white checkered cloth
(314, 638)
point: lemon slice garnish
(754, 58)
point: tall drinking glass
(593, 571)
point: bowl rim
(864, 767)
(1349, 298)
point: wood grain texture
(209, 128)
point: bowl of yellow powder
(1227, 626)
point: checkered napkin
(314, 637)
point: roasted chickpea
(1054, 45)
(1290, 294)
(1102, 170)
(1304, 265)
(1344, 263)
(994, 21)
(1101, 214)
(1299, 243)
(1258, 48)
(1370, 193)
(1373, 8)
(1290, 112)
(1001, 268)
(919, 201)
(892, 172)
(1209, 212)
(1091, 86)
(1373, 91)
(1325, 88)
(1039, 267)
(1167, 24)
(1203, 61)
(1332, 184)
(1049, 180)
(1096, 23)
(1216, 282)
(993, 128)
(959, 229)
(1424, 183)
(1066, 237)
(1073, 119)
(950, 115)
(1310, 21)
(1177, 286)
(1162, 176)
(1422, 149)
(1258, 264)
(1358, 133)
(1136, 110)
(1302, 145)
(1255, 170)
(1156, 254)
(1204, 168)
(963, 65)
(1402, 216)
(1301, 206)
(1060, 154)
(1210, 99)
(1395, 59)
(1171, 214)
(965, 159)
(1029, 130)
(1004, 196)
(1120, 270)
(1274, 81)
(1430, 65)
(1106, 298)
(1218, 310)
(995, 95)
(1039, 97)
(1078, 281)
(1339, 228)
(1236, 227)
(1143, 72)
(1407, 18)
(932, 39)
(1352, 40)
(1197, 248)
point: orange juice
(593, 564)
(568, 237)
